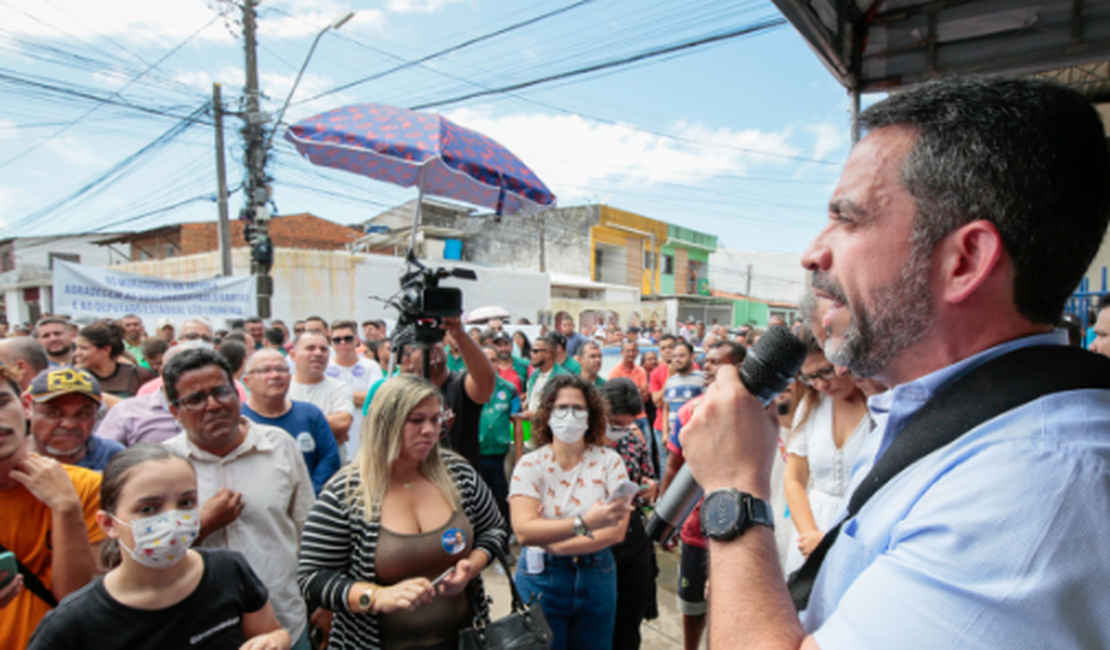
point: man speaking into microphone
(980, 515)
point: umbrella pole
(416, 213)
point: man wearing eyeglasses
(267, 376)
(251, 478)
(353, 369)
(196, 332)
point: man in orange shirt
(628, 368)
(49, 519)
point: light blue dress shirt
(999, 540)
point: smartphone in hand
(8, 565)
(625, 490)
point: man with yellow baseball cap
(61, 405)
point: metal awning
(877, 45)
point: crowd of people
(340, 485)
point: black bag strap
(999, 385)
(471, 590)
(32, 582)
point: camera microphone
(767, 370)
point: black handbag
(525, 628)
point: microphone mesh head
(772, 363)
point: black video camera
(423, 302)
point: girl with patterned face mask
(567, 515)
(160, 592)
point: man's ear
(28, 406)
(966, 258)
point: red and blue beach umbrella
(409, 148)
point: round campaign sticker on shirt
(306, 442)
(453, 541)
(358, 370)
(332, 372)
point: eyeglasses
(194, 336)
(824, 374)
(198, 401)
(270, 370)
(298, 330)
(538, 351)
(335, 340)
(564, 411)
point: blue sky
(742, 139)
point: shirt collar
(894, 408)
(254, 441)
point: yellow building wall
(604, 233)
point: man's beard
(899, 317)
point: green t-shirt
(137, 352)
(495, 429)
(455, 362)
(572, 365)
(374, 389)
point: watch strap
(750, 511)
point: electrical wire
(747, 30)
(115, 94)
(454, 48)
(112, 175)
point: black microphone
(768, 369)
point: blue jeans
(661, 445)
(578, 595)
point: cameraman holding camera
(464, 392)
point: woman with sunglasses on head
(159, 593)
(565, 515)
(830, 424)
(394, 539)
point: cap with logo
(56, 382)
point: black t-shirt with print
(211, 617)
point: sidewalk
(664, 633)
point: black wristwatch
(727, 513)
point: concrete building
(605, 264)
(26, 267)
(338, 284)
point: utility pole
(255, 212)
(221, 182)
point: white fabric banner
(90, 291)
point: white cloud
(71, 151)
(277, 87)
(828, 138)
(575, 156)
(133, 20)
(230, 76)
(9, 197)
(162, 23)
(418, 6)
(8, 130)
(303, 19)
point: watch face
(720, 513)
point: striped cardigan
(339, 545)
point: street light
(335, 24)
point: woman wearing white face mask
(562, 513)
(160, 593)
